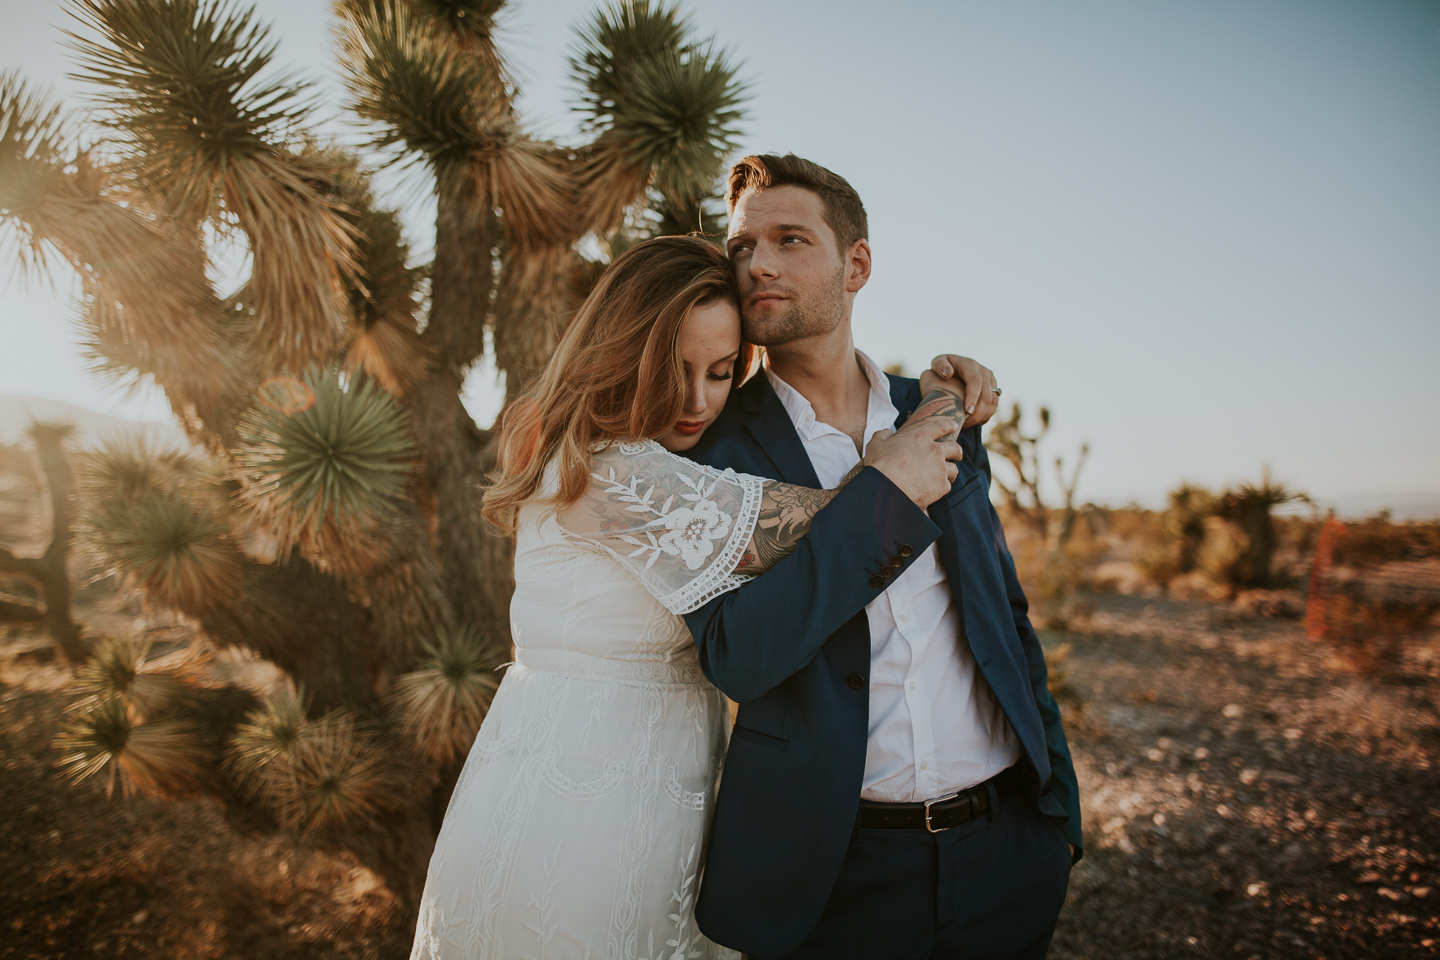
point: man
(898, 782)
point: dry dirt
(1246, 795)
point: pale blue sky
(1205, 232)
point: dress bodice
(572, 598)
(606, 578)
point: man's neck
(826, 372)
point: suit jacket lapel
(905, 394)
(773, 430)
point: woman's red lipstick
(689, 427)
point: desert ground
(1248, 792)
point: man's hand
(918, 459)
(976, 383)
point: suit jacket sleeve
(1064, 785)
(756, 637)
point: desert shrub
(1057, 581)
(1372, 634)
(1377, 540)
(1058, 662)
(1231, 538)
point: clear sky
(1205, 232)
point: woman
(576, 829)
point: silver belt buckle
(929, 803)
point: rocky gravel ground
(1245, 794)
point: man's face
(793, 279)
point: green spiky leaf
(35, 143)
(312, 773)
(444, 700)
(104, 735)
(422, 91)
(661, 100)
(337, 463)
(121, 669)
(177, 545)
(182, 78)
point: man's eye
(738, 249)
(796, 239)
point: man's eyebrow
(794, 226)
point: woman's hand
(974, 383)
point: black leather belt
(945, 812)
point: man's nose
(763, 265)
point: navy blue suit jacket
(792, 647)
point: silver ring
(996, 391)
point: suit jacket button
(855, 681)
(877, 581)
(897, 561)
(906, 550)
(887, 571)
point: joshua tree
(1022, 452)
(330, 525)
(48, 572)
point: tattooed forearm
(938, 403)
(785, 516)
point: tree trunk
(49, 572)
(475, 564)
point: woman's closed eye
(726, 375)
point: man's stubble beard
(815, 317)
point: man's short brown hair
(839, 203)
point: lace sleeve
(680, 527)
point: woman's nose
(695, 397)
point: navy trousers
(990, 889)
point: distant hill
(1402, 506)
(91, 428)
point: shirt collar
(880, 410)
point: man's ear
(857, 266)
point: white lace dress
(577, 827)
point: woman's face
(709, 344)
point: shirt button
(912, 684)
(904, 618)
(924, 765)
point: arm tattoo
(938, 403)
(785, 517)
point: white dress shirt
(935, 727)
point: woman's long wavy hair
(617, 373)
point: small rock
(1249, 775)
(1390, 894)
(1421, 891)
(140, 916)
(1257, 889)
(1233, 710)
(1201, 753)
